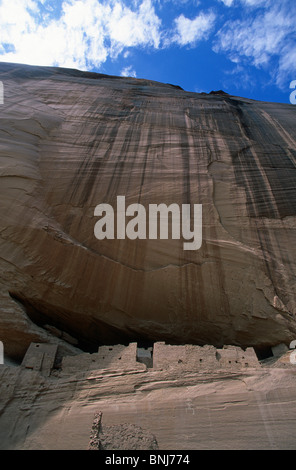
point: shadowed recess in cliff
(53, 318)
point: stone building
(192, 357)
(41, 357)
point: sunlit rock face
(72, 140)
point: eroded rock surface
(72, 140)
(202, 408)
(126, 437)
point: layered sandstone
(72, 140)
(124, 405)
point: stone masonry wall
(187, 356)
(40, 357)
(165, 356)
(107, 357)
(193, 357)
(235, 357)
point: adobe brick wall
(107, 357)
(193, 357)
(40, 357)
(234, 357)
(188, 356)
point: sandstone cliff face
(72, 140)
(185, 410)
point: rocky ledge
(187, 398)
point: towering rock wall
(70, 141)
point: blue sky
(245, 47)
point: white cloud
(265, 40)
(85, 34)
(127, 28)
(193, 3)
(287, 66)
(128, 72)
(256, 3)
(228, 3)
(247, 3)
(188, 32)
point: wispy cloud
(84, 35)
(128, 71)
(266, 40)
(189, 32)
(87, 32)
(248, 3)
(228, 3)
